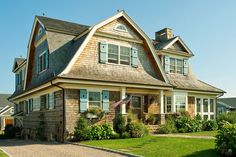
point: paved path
(184, 136)
(21, 148)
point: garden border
(5, 152)
(105, 149)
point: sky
(208, 27)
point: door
(8, 122)
(136, 102)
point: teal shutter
(47, 59)
(167, 64)
(83, 100)
(105, 101)
(134, 57)
(39, 103)
(103, 52)
(185, 67)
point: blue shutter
(47, 59)
(167, 64)
(105, 101)
(103, 52)
(83, 100)
(134, 57)
(39, 103)
(185, 67)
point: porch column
(173, 103)
(122, 95)
(161, 98)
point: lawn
(203, 133)
(2, 154)
(151, 146)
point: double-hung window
(94, 99)
(172, 65)
(180, 102)
(179, 67)
(43, 61)
(119, 54)
(31, 106)
(168, 104)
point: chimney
(164, 34)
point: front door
(136, 102)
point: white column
(186, 104)
(214, 104)
(201, 100)
(122, 95)
(161, 99)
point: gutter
(63, 110)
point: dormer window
(40, 31)
(121, 27)
(174, 65)
(43, 61)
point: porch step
(153, 128)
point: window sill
(124, 65)
(42, 71)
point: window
(180, 102)
(113, 54)
(52, 100)
(205, 117)
(168, 104)
(36, 106)
(172, 65)
(211, 105)
(212, 117)
(198, 105)
(43, 61)
(205, 105)
(26, 107)
(121, 27)
(30, 102)
(40, 31)
(124, 55)
(180, 66)
(118, 54)
(94, 99)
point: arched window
(121, 27)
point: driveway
(22, 148)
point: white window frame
(202, 113)
(44, 62)
(166, 103)
(100, 91)
(117, 29)
(119, 54)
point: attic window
(40, 31)
(121, 27)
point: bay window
(205, 105)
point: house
(6, 110)
(72, 67)
(225, 105)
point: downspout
(63, 109)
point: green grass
(203, 133)
(151, 146)
(2, 154)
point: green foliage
(222, 123)
(138, 130)
(119, 125)
(98, 112)
(209, 125)
(151, 119)
(186, 124)
(81, 129)
(168, 127)
(229, 117)
(226, 140)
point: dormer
(172, 51)
(19, 68)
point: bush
(229, 117)
(81, 130)
(187, 124)
(119, 125)
(209, 125)
(107, 131)
(222, 123)
(11, 131)
(226, 140)
(138, 130)
(168, 127)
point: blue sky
(208, 27)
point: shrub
(94, 132)
(81, 129)
(222, 123)
(11, 131)
(138, 130)
(106, 131)
(119, 125)
(229, 117)
(226, 140)
(209, 125)
(187, 124)
(168, 127)
(125, 135)
(151, 119)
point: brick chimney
(164, 34)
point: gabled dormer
(172, 51)
(19, 68)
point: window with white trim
(119, 54)
(176, 66)
(180, 102)
(43, 61)
(172, 65)
(198, 105)
(168, 104)
(205, 105)
(31, 104)
(94, 99)
(179, 66)
(121, 27)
